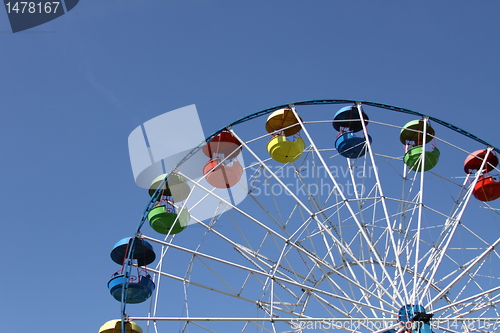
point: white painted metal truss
(328, 242)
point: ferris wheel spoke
(321, 225)
(366, 295)
(281, 221)
(473, 276)
(407, 208)
(482, 241)
(273, 273)
(449, 229)
(327, 305)
(466, 270)
(354, 283)
(200, 285)
(237, 209)
(365, 270)
(347, 204)
(417, 241)
(159, 267)
(319, 261)
(384, 207)
(265, 274)
(326, 275)
(483, 308)
(437, 254)
(464, 301)
(254, 256)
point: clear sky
(74, 88)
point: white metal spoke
(384, 205)
(320, 224)
(450, 228)
(469, 267)
(367, 239)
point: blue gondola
(142, 251)
(351, 146)
(348, 121)
(348, 118)
(136, 292)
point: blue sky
(74, 88)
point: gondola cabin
(487, 188)
(222, 175)
(412, 136)
(137, 288)
(224, 146)
(165, 219)
(347, 121)
(351, 146)
(413, 158)
(175, 187)
(283, 123)
(139, 249)
(413, 132)
(283, 120)
(285, 151)
(474, 161)
(115, 326)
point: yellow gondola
(285, 151)
(115, 326)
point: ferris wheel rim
(353, 101)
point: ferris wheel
(319, 215)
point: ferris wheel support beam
(344, 248)
(351, 211)
(329, 249)
(452, 223)
(316, 259)
(482, 307)
(326, 275)
(354, 280)
(464, 272)
(353, 179)
(273, 275)
(361, 202)
(420, 211)
(470, 298)
(384, 203)
(248, 269)
(292, 243)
